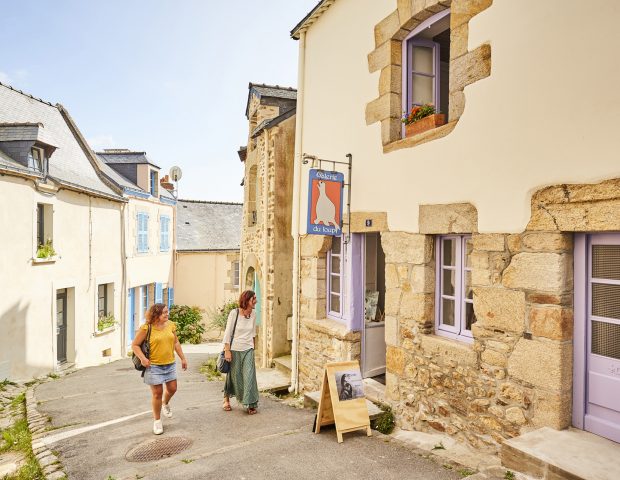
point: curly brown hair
(156, 311)
(245, 297)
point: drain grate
(158, 449)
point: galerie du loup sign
(325, 202)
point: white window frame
(37, 164)
(459, 330)
(236, 274)
(340, 314)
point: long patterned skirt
(241, 379)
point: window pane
(469, 247)
(335, 303)
(336, 242)
(447, 312)
(469, 291)
(335, 284)
(606, 300)
(449, 251)
(423, 89)
(335, 265)
(470, 316)
(423, 59)
(606, 261)
(60, 307)
(448, 279)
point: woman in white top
(241, 378)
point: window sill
(105, 331)
(37, 261)
(449, 349)
(421, 138)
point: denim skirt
(159, 374)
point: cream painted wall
(548, 114)
(28, 301)
(203, 279)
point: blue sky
(168, 77)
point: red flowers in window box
(422, 118)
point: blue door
(131, 315)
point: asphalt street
(99, 414)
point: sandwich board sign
(325, 202)
(342, 401)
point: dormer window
(154, 183)
(36, 159)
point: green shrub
(189, 323)
(105, 321)
(384, 423)
(46, 250)
(219, 317)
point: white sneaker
(158, 428)
(165, 409)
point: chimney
(166, 183)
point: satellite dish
(175, 174)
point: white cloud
(99, 142)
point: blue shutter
(146, 232)
(170, 296)
(167, 233)
(164, 242)
(159, 293)
(143, 232)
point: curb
(49, 462)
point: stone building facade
(266, 242)
(500, 262)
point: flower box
(424, 124)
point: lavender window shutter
(355, 321)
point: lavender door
(602, 335)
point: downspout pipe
(295, 227)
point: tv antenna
(175, 176)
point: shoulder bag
(145, 346)
(222, 365)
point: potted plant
(105, 322)
(422, 118)
(46, 250)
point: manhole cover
(157, 449)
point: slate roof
(10, 164)
(272, 91)
(125, 183)
(272, 122)
(124, 156)
(208, 226)
(312, 17)
(69, 164)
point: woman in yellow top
(160, 367)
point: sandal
(226, 407)
(252, 411)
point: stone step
(375, 391)
(567, 454)
(284, 364)
(272, 380)
(311, 400)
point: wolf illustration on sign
(325, 208)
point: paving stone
(49, 460)
(57, 475)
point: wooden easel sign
(342, 399)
